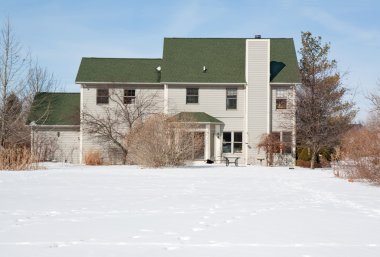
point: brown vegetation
(16, 159)
(271, 144)
(359, 155)
(163, 141)
(93, 157)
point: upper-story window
(192, 95)
(281, 98)
(102, 96)
(231, 98)
(129, 96)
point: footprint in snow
(146, 230)
(170, 233)
(171, 248)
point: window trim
(281, 98)
(130, 98)
(98, 97)
(193, 95)
(232, 142)
(285, 145)
(231, 97)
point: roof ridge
(123, 58)
(58, 93)
(227, 38)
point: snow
(68, 210)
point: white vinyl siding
(281, 118)
(62, 141)
(89, 96)
(212, 100)
(258, 119)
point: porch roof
(200, 117)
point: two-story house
(237, 89)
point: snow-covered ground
(196, 211)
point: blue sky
(59, 33)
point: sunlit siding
(258, 95)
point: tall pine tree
(323, 114)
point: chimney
(257, 36)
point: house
(237, 89)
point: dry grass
(360, 154)
(93, 157)
(16, 159)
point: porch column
(218, 144)
(166, 99)
(207, 142)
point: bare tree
(374, 97)
(119, 117)
(37, 80)
(12, 65)
(322, 114)
(20, 80)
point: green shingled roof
(118, 70)
(184, 58)
(196, 117)
(55, 109)
(283, 61)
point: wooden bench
(230, 158)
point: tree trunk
(312, 161)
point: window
(232, 142)
(129, 96)
(102, 96)
(284, 139)
(281, 98)
(231, 98)
(192, 95)
(238, 142)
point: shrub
(302, 163)
(271, 144)
(360, 154)
(93, 157)
(16, 159)
(163, 141)
(305, 155)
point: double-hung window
(231, 98)
(232, 142)
(129, 96)
(192, 95)
(281, 98)
(102, 96)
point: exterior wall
(110, 152)
(282, 120)
(212, 100)
(60, 143)
(257, 101)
